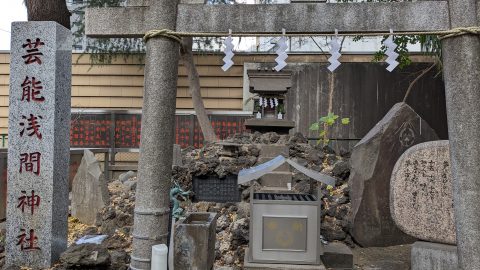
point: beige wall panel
(3, 112)
(3, 122)
(100, 102)
(107, 80)
(81, 102)
(81, 80)
(96, 70)
(213, 70)
(4, 89)
(4, 69)
(4, 101)
(4, 79)
(132, 91)
(5, 57)
(211, 104)
(85, 91)
(137, 103)
(236, 93)
(213, 92)
(121, 102)
(214, 82)
(184, 92)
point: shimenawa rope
(177, 36)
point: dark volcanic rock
(86, 256)
(332, 229)
(372, 162)
(341, 169)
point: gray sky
(10, 11)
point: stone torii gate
(461, 61)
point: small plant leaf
(345, 121)
(330, 121)
(315, 126)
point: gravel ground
(382, 258)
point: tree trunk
(48, 10)
(194, 82)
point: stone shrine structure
(269, 88)
(39, 146)
(461, 63)
(421, 203)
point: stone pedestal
(247, 265)
(195, 241)
(434, 256)
(39, 146)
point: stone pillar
(461, 62)
(39, 143)
(158, 119)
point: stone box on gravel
(421, 199)
(372, 162)
(194, 244)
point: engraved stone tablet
(421, 193)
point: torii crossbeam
(461, 62)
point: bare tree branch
(410, 87)
(194, 83)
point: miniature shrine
(269, 89)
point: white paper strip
(281, 52)
(228, 52)
(392, 55)
(335, 52)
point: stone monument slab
(39, 145)
(372, 162)
(421, 199)
(89, 190)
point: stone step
(285, 167)
(248, 265)
(276, 179)
(337, 255)
(271, 151)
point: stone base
(276, 179)
(247, 265)
(337, 255)
(273, 150)
(269, 125)
(434, 256)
